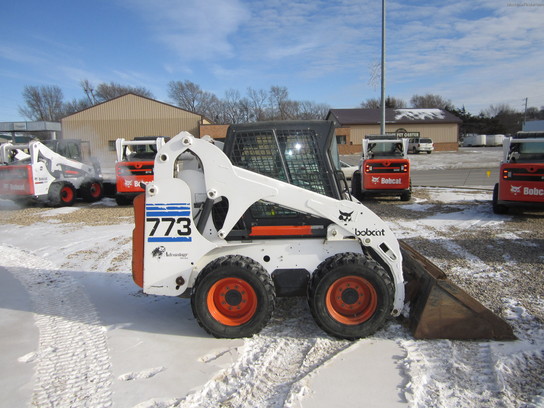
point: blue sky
(474, 52)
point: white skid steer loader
(34, 172)
(232, 239)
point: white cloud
(193, 29)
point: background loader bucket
(439, 309)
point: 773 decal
(169, 222)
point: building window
(341, 140)
(111, 145)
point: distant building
(533, 125)
(354, 124)
(22, 132)
(127, 116)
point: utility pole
(525, 112)
(382, 125)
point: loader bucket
(439, 309)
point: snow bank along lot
(75, 331)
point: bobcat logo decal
(515, 190)
(376, 179)
(158, 252)
(344, 216)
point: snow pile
(419, 114)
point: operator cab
(301, 153)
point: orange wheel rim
(67, 194)
(232, 301)
(95, 190)
(351, 300)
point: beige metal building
(354, 124)
(127, 116)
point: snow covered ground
(75, 331)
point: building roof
(346, 117)
(132, 96)
(39, 126)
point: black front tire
(233, 297)
(350, 296)
(498, 208)
(356, 185)
(61, 194)
(123, 200)
(407, 195)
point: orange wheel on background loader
(350, 296)
(233, 297)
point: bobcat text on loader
(267, 216)
(134, 166)
(384, 170)
(521, 176)
(55, 173)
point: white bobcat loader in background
(233, 238)
(34, 171)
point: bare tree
(500, 109)
(279, 100)
(191, 97)
(76, 105)
(371, 103)
(257, 101)
(105, 92)
(89, 91)
(232, 110)
(430, 101)
(43, 103)
(504, 118)
(390, 102)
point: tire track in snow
(433, 365)
(273, 366)
(483, 374)
(72, 361)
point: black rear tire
(92, 191)
(350, 296)
(233, 297)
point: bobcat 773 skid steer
(271, 215)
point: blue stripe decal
(169, 239)
(168, 213)
(169, 207)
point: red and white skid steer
(134, 166)
(521, 177)
(384, 169)
(35, 172)
(278, 222)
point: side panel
(171, 241)
(391, 174)
(522, 182)
(138, 241)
